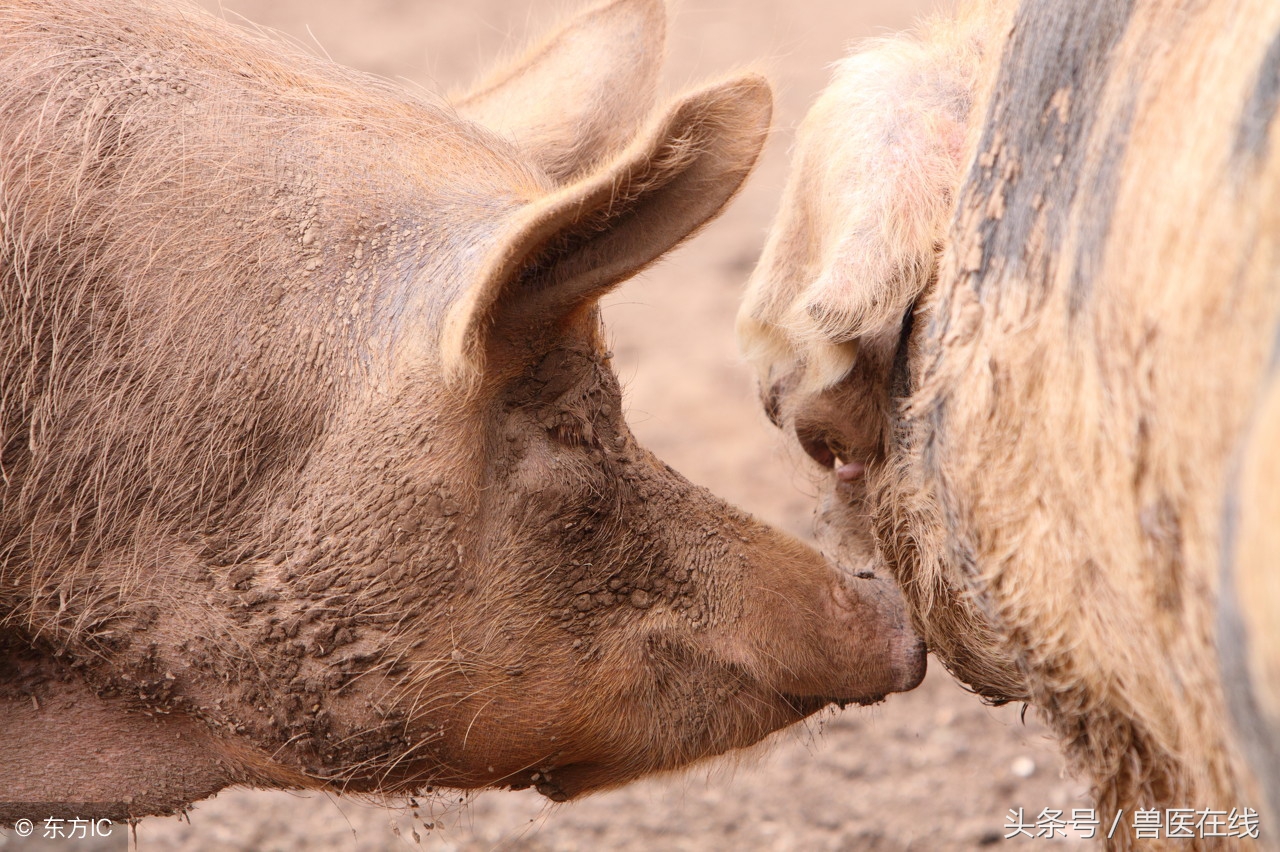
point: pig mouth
(807, 705)
(572, 781)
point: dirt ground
(931, 770)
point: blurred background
(931, 770)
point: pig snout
(882, 646)
(836, 638)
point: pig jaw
(695, 696)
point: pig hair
(877, 165)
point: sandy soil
(934, 769)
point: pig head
(314, 467)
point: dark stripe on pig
(1033, 158)
(1100, 197)
(1233, 641)
(900, 377)
(1254, 132)
(1233, 654)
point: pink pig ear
(563, 252)
(581, 94)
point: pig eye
(570, 433)
(815, 444)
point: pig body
(1062, 425)
(314, 471)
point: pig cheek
(591, 710)
(493, 705)
(578, 564)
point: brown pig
(313, 471)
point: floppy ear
(562, 253)
(580, 95)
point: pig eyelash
(900, 372)
(815, 444)
(569, 434)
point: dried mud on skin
(930, 770)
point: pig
(313, 472)
(1021, 304)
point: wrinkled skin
(314, 468)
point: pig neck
(85, 755)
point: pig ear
(565, 251)
(580, 95)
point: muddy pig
(312, 465)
